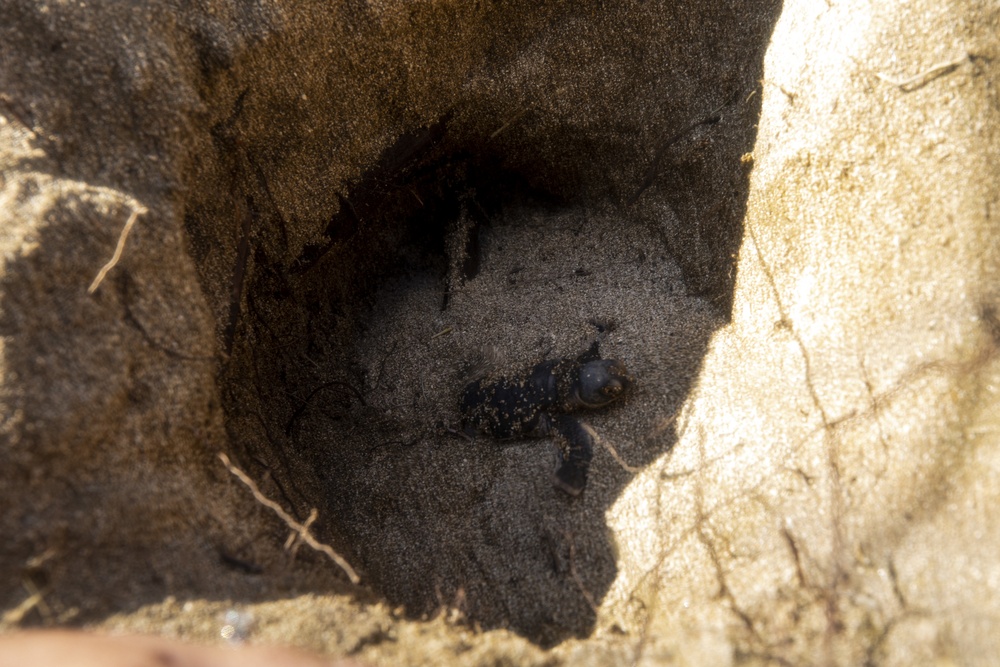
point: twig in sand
(510, 121)
(614, 454)
(137, 210)
(301, 531)
(443, 332)
(293, 542)
(925, 77)
(35, 599)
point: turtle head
(600, 383)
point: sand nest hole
(361, 405)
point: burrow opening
(347, 362)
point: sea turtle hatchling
(541, 402)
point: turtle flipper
(576, 448)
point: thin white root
(611, 450)
(925, 77)
(137, 210)
(300, 531)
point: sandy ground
(424, 509)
